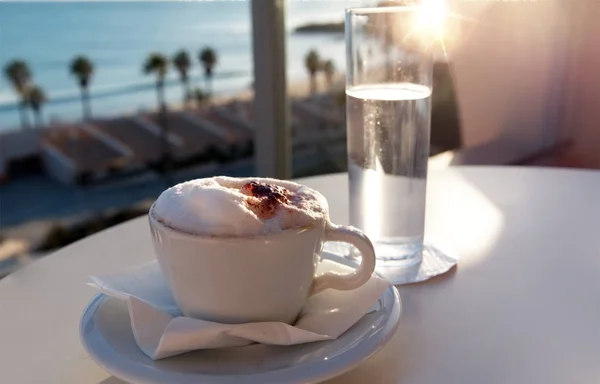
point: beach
(117, 37)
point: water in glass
(388, 147)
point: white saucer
(106, 334)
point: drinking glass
(389, 57)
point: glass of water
(388, 106)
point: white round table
(523, 305)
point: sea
(118, 36)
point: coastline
(74, 95)
(297, 87)
(118, 51)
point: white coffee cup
(253, 279)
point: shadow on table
(112, 380)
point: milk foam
(223, 206)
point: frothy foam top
(226, 206)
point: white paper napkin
(160, 329)
(435, 262)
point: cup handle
(352, 280)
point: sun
(432, 15)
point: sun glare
(432, 17)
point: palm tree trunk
(313, 83)
(186, 92)
(87, 107)
(24, 115)
(164, 131)
(207, 85)
(188, 87)
(208, 76)
(38, 117)
(83, 107)
(160, 95)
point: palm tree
(19, 75)
(312, 62)
(182, 63)
(83, 69)
(329, 70)
(157, 64)
(208, 59)
(37, 97)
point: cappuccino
(233, 207)
(246, 250)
